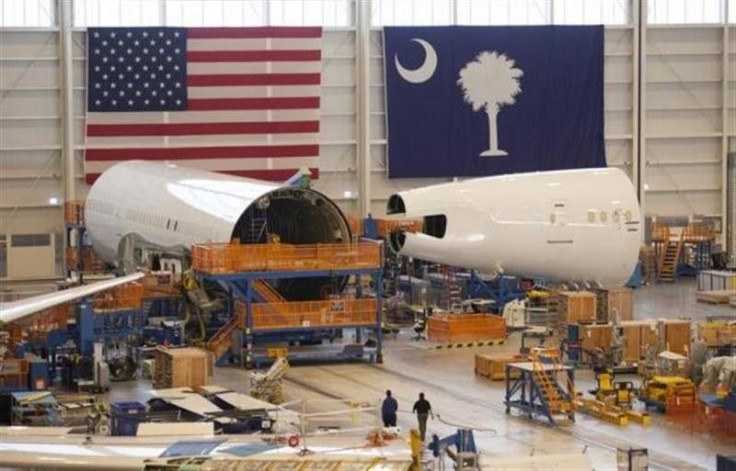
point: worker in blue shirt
(388, 410)
(423, 409)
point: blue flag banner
(470, 101)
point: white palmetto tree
(490, 82)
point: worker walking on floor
(423, 410)
(388, 410)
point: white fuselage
(167, 205)
(579, 225)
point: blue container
(125, 418)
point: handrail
(697, 232)
(234, 258)
(337, 313)
(660, 232)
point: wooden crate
(465, 327)
(612, 300)
(717, 333)
(637, 335)
(182, 368)
(494, 366)
(596, 336)
(575, 306)
(677, 336)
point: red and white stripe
(253, 108)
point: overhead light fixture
(53, 200)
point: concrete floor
(460, 398)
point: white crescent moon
(425, 71)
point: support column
(67, 98)
(726, 69)
(363, 112)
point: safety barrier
(127, 296)
(91, 262)
(697, 232)
(311, 314)
(233, 258)
(74, 212)
(660, 232)
(48, 320)
(161, 285)
(386, 226)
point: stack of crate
(181, 368)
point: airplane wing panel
(17, 310)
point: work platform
(259, 314)
(546, 389)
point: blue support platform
(240, 285)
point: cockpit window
(435, 225)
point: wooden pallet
(715, 297)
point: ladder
(669, 259)
(256, 230)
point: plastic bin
(125, 418)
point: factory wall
(672, 136)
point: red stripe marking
(242, 152)
(254, 56)
(268, 32)
(195, 129)
(270, 175)
(285, 103)
(252, 79)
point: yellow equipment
(667, 391)
(619, 392)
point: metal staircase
(554, 386)
(220, 343)
(669, 259)
(267, 292)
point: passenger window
(591, 216)
(604, 216)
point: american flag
(243, 101)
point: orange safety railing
(127, 296)
(330, 313)
(74, 212)
(232, 258)
(386, 226)
(161, 285)
(91, 262)
(46, 321)
(697, 232)
(660, 232)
